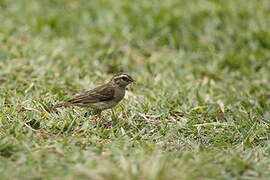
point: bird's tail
(64, 104)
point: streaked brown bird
(102, 97)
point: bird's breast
(119, 94)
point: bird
(102, 97)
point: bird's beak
(132, 80)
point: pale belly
(103, 105)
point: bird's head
(122, 80)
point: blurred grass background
(199, 110)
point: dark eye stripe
(125, 78)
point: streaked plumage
(102, 97)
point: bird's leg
(103, 121)
(97, 114)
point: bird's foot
(106, 123)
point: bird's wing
(99, 94)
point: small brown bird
(102, 97)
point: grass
(199, 110)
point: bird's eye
(125, 79)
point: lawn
(199, 108)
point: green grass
(199, 109)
